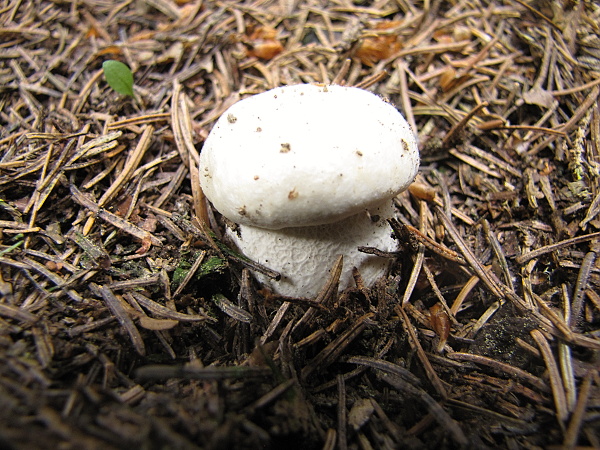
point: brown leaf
(374, 49)
(157, 324)
(263, 43)
(440, 322)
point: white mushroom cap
(306, 155)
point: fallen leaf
(157, 324)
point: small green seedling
(119, 77)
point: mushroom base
(305, 255)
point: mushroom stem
(304, 255)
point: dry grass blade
(434, 407)
(191, 372)
(414, 275)
(44, 346)
(568, 126)
(232, 310)
(115, 220)
(468, 254)
(576, 421)
(90, 327)
(558, 392)
(500, 256)
(272, 395)
(167, 313)
(332, 351)
(450, 137)
(13, 312)
(416, 345)
(94, 147)
(565, 358)
(141, 120)
(131, 164)
(277, 318)
(582, 281)
(501, 367)
(436, 247)
(190, 274)
(521, 259)
(182, 131)
(118, 310)
(96, 252)
(330, 440)
(342, 421)
(325, 294)
(329, 289)
(135, 283)
(386, 366)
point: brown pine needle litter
(127, 321)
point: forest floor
(126, 322)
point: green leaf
(119, 77)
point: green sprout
(119, 77)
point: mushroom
(308, 172)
